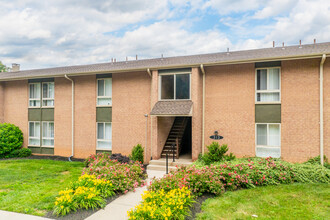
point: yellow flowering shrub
(87, 192)
(174, 204)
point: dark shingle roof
(276, 53)
(172, 108)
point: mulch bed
(197, 206)
(45, 157)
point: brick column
(197, 99)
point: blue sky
(41, 34)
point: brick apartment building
(264, 102)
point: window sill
(266, 146)
(103, 149)
(170, 100)
(267, 103)
(104, 106)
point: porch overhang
(172, 108)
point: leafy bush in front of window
(216, 153)
(11, 138)
(216, 179)
(120, 158)
(137, 153)
(23, 152)
(104, 156)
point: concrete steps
(161, 164)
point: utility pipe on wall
(321, 107)
(203, 113)
(72, 115)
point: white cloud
(224, 7)
(68, 32)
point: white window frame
(35, 99)
(97, 92)
(267, 146)
(267, 91)
(47, 99)
(105, 140)
(174, 74)
(29, 137)
(47, 138)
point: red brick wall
(164, 126)
(130, 101)
(230, 107)
(85, 115)
(2, 104)
(16, 106)
(155, 148)
(196, 121)
(62, 117)
(300, 133)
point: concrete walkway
(117, 209)
(4, 215)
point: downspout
(72, 115)
(203, 113)
(321, 108)
(149, 72)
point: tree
(3, 67)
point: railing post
(177, 148)
(166, 163)
(173, 147)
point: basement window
(175, 86)
(48, 134)
(268, 85)
(34, 133)
(268, 140)
(104, 92)
(104, 136)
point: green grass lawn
(296, 201)
(30, 186)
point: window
(41, 94)
(34, 94)
(175, 86)
(34, 133)
(104, 92)
(104, 136)
(48, 134)
(48, 94)
(268, 85)
(268, 140)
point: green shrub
(310, 173)
(216, 153)
(317, 160)
(11, 138)
(137, 153)
(23, 152)
(159, 204)
(87, 192)
(101, 157)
